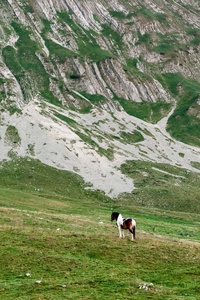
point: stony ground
(54, 142)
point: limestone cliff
(111, 48)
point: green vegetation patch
(168, 44)
(28, 9)
(68, 120)
(143, 38)
(147, 111)
(162, 18)
(182, 125)
(66, 17)
(26, 48)
(92, 50)
(31, 149)
(164, 48)
(61, 52)
(12, 137)
(2, 81)
(195, 32)
(2, 89)
(133, 137)
(132, 70)
(86, 109)
(2, 96)
(30, 175)
(142, 10)
(87, 139)
(74, 76)
(117, 14)
(11, 60)
(96, 18)
(108, 32)
(94, 98)
(195, 164)
(170, 188)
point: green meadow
(57, 241)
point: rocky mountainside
(85, 86)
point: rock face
(114, 48)
(73, 72)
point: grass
(92, 51)
(168, 44)
(145, 38)
(131, 68)
(143, 11)
(68, 120)
(94, 98)
(195, 164)
(57, 242)
(147, 111)
(61, 52)
(117, 14)
(181, 125)
(196, 36)
(133, 137)
(9, 55)
(109, 33)
(165, 187)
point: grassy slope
(164, 187)
(85, 258)
(181, 125)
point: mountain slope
(86, 86)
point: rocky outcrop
(12, 88)
(130, 30)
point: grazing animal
(122, 224)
